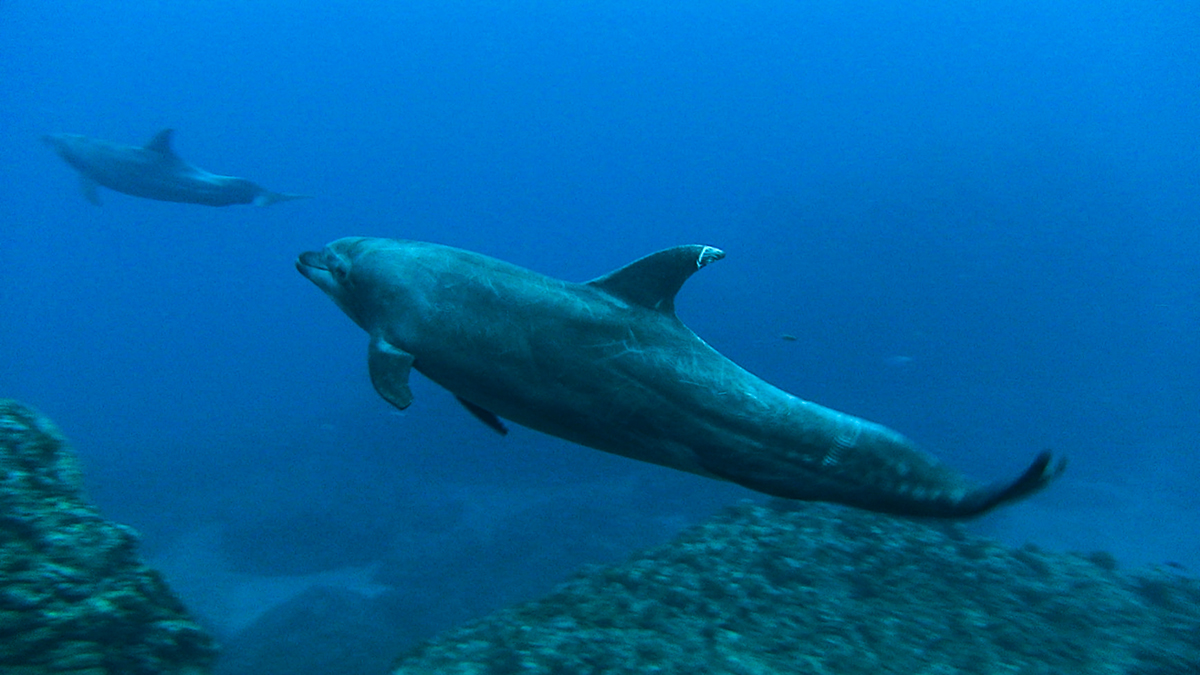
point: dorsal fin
(161, 143)
(653, 281)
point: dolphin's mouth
(313, 259)
(313, 266)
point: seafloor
(788, 587)
(75, 597)
(823, 590)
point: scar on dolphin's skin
(154, 171)
(608, 364)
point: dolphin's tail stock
(267, 198)
(889, 476)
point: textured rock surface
(807, 588)
(74, 596)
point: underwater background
(973, 222)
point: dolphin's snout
(312, 265)
(314, 259)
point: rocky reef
(818, 589)
(74, 595)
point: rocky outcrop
(74, 596)
(818, 589)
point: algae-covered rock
(74, 596)
(818, 589)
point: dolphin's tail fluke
(267, 198)
(929, 501)
(1044, 469)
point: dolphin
(154, 171)
(607, 364)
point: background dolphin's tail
(267, 198)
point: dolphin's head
(332, 270)
(66, 145)
(80, 151)
(57, 141)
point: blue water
(979, 220)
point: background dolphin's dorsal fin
(653, 281)
(161, 143)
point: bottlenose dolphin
(154, 171)
(607, 364)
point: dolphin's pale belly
(680, 404)
(609, 395)
(144, 179)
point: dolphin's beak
(313, 265)
(313, 259)
(319, 267)
(314, 268)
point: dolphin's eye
(340, 271)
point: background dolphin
(607, 364)
(154, 171)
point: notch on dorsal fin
(653, 281)
(161, 143)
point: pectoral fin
(484, 415)
(88, 187)
(389, 368)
